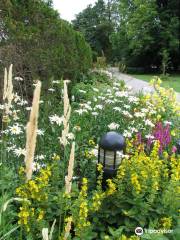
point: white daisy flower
(117, 109)
(95, 89)
(40, 157)
(56, 119)
(149, 136)
(81, 111)
(139, 114)
(127, 134)
(18, 79)
(149, 123)
(70, 136)
(19, 151)
(2, 107)
(94, 113)
(99, 107)
(51, 90)
(40, 132)
(15, 129)
(113, 126)
(82, 91)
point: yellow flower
(55, 157)
(135, 183)
(111, 187)
(91, 142)
(41, 215)
(173, 133)
(166, 222)
(158, 117)
(99, 167)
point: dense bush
(136, 197)
(39, 44)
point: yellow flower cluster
(175, 168)
(88, 154)
(100, 176)
(33, 190)
(91, 142)
(40, 215)
(123, 237)
(166, 222)
(24, 215)
(162, 96)
(111, 187)
(97, 200)
(137, 171)
(135, 182)
(55, 157)
(83, 208)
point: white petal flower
(28, 108)
(127, 114)
(121, 94)
(56, 119)
(1, 106)
(56, 81)
(167, 123)
(139, 114)
(82, 91)
(127, 134)
(95, 89)
(117, 109)
(18, 79)
(19, 151)
(133, 99)
(149, 123)
(51, 90)
(70, 136)
(40, 132)
(109, 101)
(81, 111)
(40, 157)
(22, 102)
(15, 129)
(99, 107)
(127, 106)
(149, 136)
(113, 126)
(94, 113)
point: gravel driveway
(136, 84)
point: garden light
(110, 153)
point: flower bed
(63, 198)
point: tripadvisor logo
(139, 231)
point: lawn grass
(173, 82)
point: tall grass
(31, 132)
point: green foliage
(145, 29)
(40, 44)
(98, 102)
(97, 23)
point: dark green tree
(39, 43)
(97, 24)
(146, 29)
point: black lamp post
(111, 148)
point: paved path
(136, 84)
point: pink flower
(174, 149)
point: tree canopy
(138, 32)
